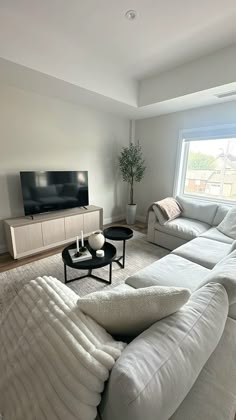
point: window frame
(197, 134)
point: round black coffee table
(119, 233)
(93, 263)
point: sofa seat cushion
(198, 209)
(203, 251)
(171, 270)
(216, 235)
(183, 228)
(157, 370)
(213, 396)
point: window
(207, 167)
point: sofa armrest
(233, 246)
(152, 219)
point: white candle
(77, 243)
(82, 238)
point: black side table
(93, 263)
(119, 233)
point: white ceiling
(90, 44)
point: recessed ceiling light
(131, 14)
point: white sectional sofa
(144, 382)
(174, 371)
(197, 248)
(147, 380)
(198, 219)
(177, 269)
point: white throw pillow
(131, 311)
(228, 224)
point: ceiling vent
(226, 94)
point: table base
(89, 274)
(122, 257)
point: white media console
(26, 236)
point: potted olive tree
(132, 166)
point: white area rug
(139, 254)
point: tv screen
(45, 191)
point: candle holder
(82, 249)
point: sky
(214, 147)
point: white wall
(39, 133)
(159, 140)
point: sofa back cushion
(156, 370)
(221, 212)
(197, 209)
(224, 273)
(228, 224)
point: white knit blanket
(54, 359)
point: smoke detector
(131, 14)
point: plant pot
(131, 214)
(96, 240)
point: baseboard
(142, 219)
(114, 219)
(123, 217)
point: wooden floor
(7, 262)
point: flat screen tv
(46, 191)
